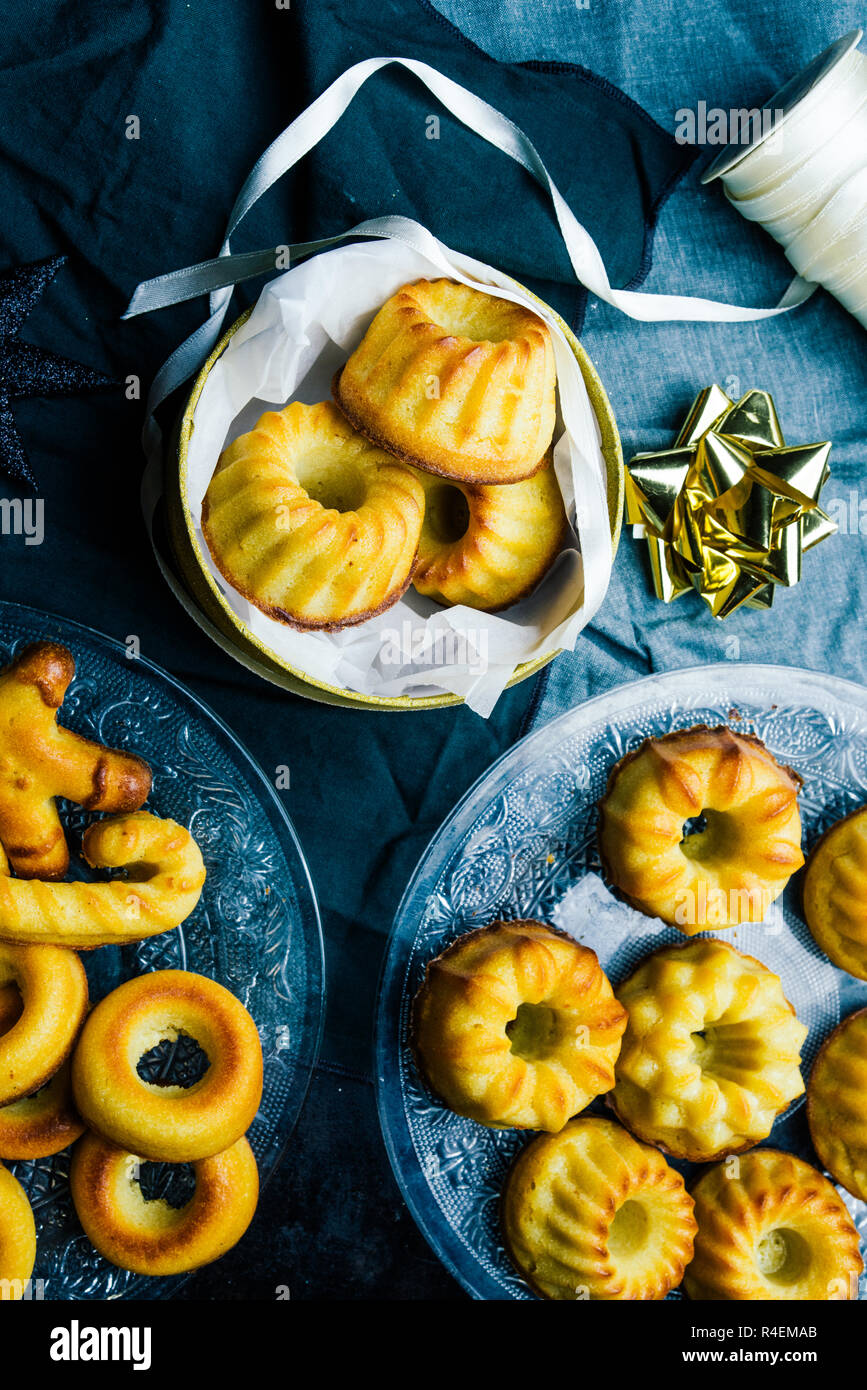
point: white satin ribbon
(807, 184)
(217, 276)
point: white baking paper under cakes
(304, 326)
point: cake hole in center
(173, 1183)
(11, 1007)
(332, 484)
(696, 825)
(447, 514)
(783, 1256)
(627, 1233)
(700, 1045)
(532, 1032)
(177, 1061)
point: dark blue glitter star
(30, 371)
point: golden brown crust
(772, 1229)
(53, 989)
(695, 739)
(558, 1210)
(168, 1123)
(41, 760)
(513, 535)
(838, 1149)
(17, 1238)
(466, 1022)
(815, 895)
(316, 564)
(495, 372)
(486, 478)
(41, 1125)
(663, 1038)
(164, 883)
(281, 615)
(147, 1237)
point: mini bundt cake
(591, 1213)
(310, 522)
(516, 1026)
(488, 546)
(701, 828)
(455, 381)
(835, 893)
(711, 1052)
(837, 1104)
(771, 1229)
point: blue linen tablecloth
(670, 56)
(368, 790)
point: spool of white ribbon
(805, 182)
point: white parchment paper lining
(304, 325)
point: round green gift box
(233, 634)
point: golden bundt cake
(312, 523)
(771, 1229)
(17, 1238)
(516, 1026)
(592, 1213)
(455, 381)
(837, 1104)
(835, 893)
(488, 546)
(738, 858)
(711, 1053)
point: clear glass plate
(256, 928)
(520, 839)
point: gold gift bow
(729, 509)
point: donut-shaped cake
(835, 893)
(42, 1124)
(152, 1237)
(455, 381)
(488, 546)
(837, 1104)
(516, 1026)
(53, 990)
(711, 1053)
(592, 1213)
(17, 1238)
(701, 828)
(773, 1229)
(311, 522)
(170, 1123)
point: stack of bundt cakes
(697, 1052)
(436, 469)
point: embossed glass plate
(516, 844)
(256, 928)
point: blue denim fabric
(668, 56)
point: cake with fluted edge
(711, 1053)
(772, 1228)
(310, 522)
(701, 828)
(455, 381)
(488, 546)
(837, 1104)
(592, 1213)
(835, 893)
(516, 1026)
